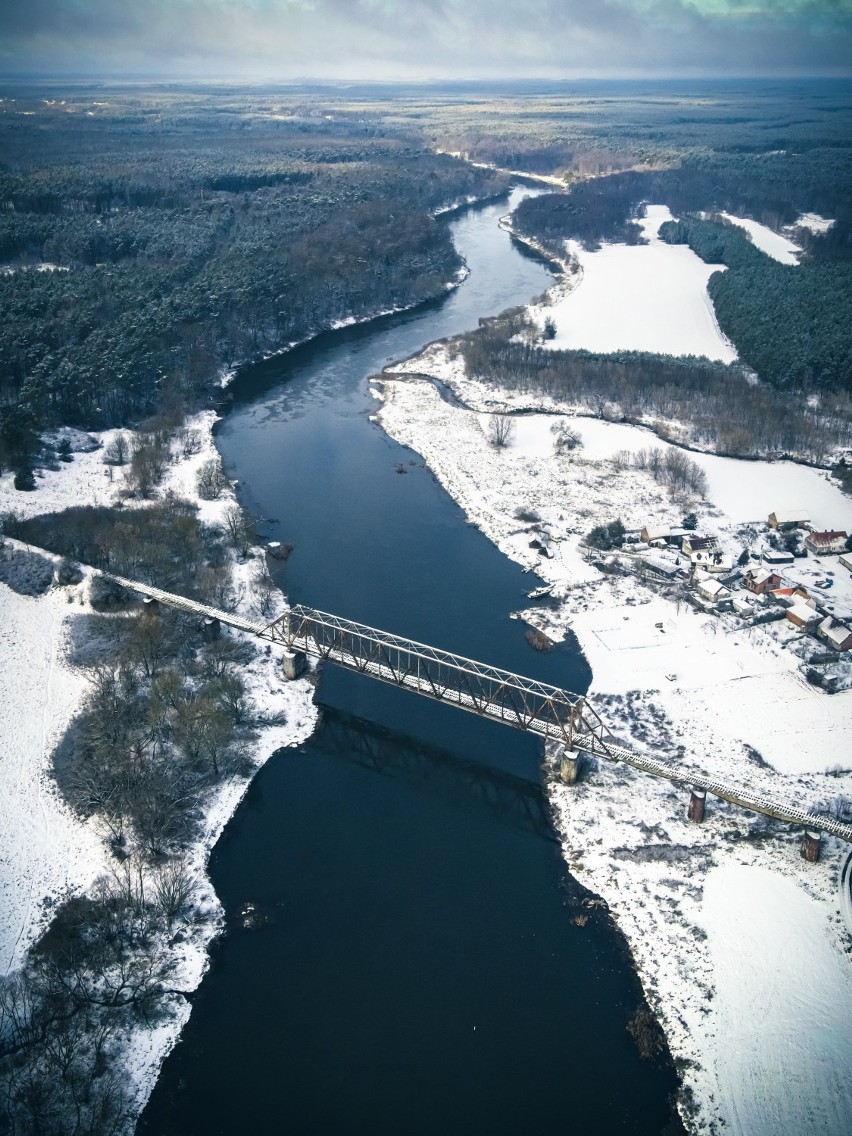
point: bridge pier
(294, 664)
(697, 804)
(211, 629)
(568, 762)
(811, 845)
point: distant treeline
(726, 411)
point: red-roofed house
(760, 580)
(828, 541)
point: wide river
(409, 960)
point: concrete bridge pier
(566, 762)
(811, 845)
(211, 629)
(697, 804)
(294, 664)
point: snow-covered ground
(46, 852)
(650, 297)
(710, 693)
(766, 239)
(813, 223)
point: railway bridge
(567, 723)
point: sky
(426, 39)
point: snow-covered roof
(835, 631)
(803, 612)
(712, 588)
(789, 516)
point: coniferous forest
(148, 240)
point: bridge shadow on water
(507, 798)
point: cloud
(428, 38)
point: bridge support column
(570, 766)
(294, 663)
(211, 629)
(150, 605)
(811, 846)
(697, 803)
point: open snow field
(649, 297)
(44, 848)
(783, 1004)
(766, 239)
(742, 490)
(730, 701)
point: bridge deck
(523, 703)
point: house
(743, 605)
(801, 615)
(715, 562)
(651, 533)
(789, 519)
(692, 543)
(760, 580)
(774, 559)
(832, 540)
(712, 590)
(664, 534)
(835, 633)
(792, 595)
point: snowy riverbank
(739, 943)
(47, 852)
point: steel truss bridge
(558, 716)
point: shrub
(606, 536)
(25, 479)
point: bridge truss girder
(501, 695)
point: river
(410, 960)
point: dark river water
(413, 964)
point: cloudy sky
(423, 39)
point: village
(788, 573)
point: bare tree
(500, 429)
(174, 883)
(211, 480)
(239, 530)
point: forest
(147, 242)
(726, 412)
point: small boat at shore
(537, 593)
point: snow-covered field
(710, 693)
(766, 239)
(650, 297)
(46, 852)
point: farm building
(713, 590)
(802, 615)
(789, 519)
(775, 559)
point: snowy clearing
(766, 239)
(770, 947)
(649, 297)
(813, 223)
(743, 490)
